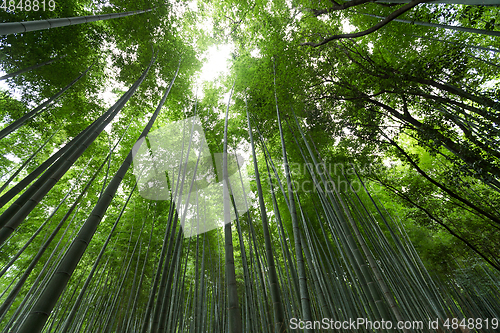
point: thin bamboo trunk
(36, 111)
(459, 2)
(27, 69)
(234, 314)
(37, 172)
(489, 49)
(139, 285)
(20, 27)
(444, 26)
(273, 277)
(25, 163)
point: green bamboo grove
(343, 175)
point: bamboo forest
(244, 166)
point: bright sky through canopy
(217, 62)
